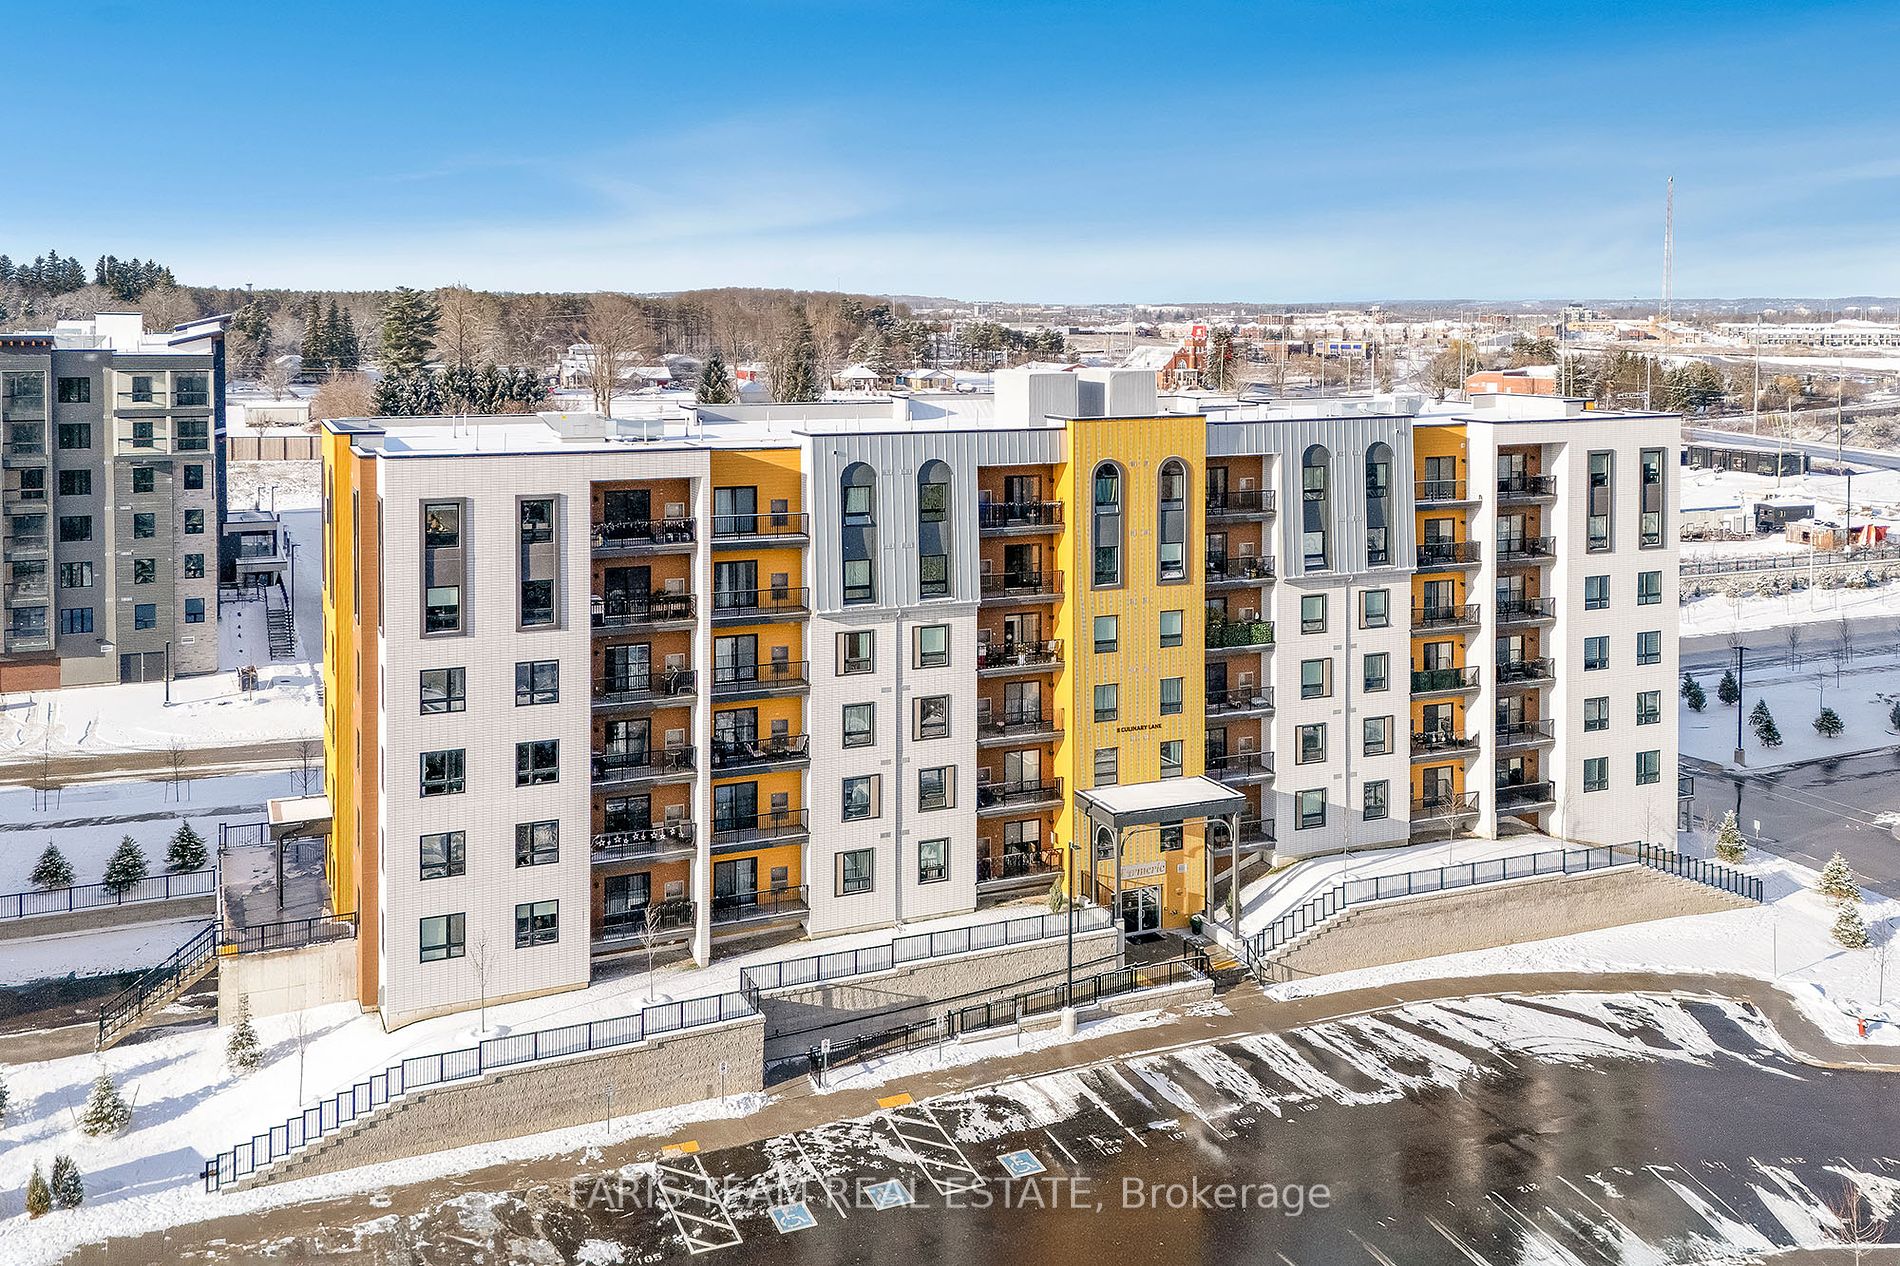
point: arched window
(1379, 506)
(1107, 525)
(857, 494)
(1171, 521)
(1316, 508)
(933, 530)
(1104, 843)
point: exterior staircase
(279, 627)
(123, 1014)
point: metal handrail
(1518, 670)
(1525, 731)
(1527, 608)
(761, 826)
(1442, 617)
(1240, 763)
(992, 794)
(1521, 793)
(125, 1007)
(773, 672)
(610, 845)
(1441, 741)
(994, 865)
(1020, 584)
(1447, 553)
(1449, 806)
(629, 533)
(189, 883)
(1527, 485)
(763, 601)
(766, 751)
(653, 608)
(768, 524)
(1239, 699)
(1018, 654)
(617, 762)
(1515, 547)
(671, 683)
(814, 969)
(994, 516)
(738, 906)
(1242, 501)
(1427, 680)
(1430, 491)
(1241, 567)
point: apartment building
(817, 668)
(112, 498)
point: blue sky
(1108, 151)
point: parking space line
(692, 1198)
(811, 1168)
(931, 1147)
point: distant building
(1527, 380)
(1843, 333)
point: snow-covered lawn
(1876, 490)
(98, 953)
(206, 711)
(1863, 696)
(299, 485)
(1715, 614)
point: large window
(1172, 758)
(537, 923)
(931, 719)
(1596, 773)
(934, 533)
(1309, 744)
(1172, 623)
(1649, 707)
(442, 567)
(75, 391)
(1316, 508)
(1313, 613)
(537, 762)
(1596, 713)
(1649, 647)
(537, 561)
(443, 690)
(1316, 679)
(1596, 593)
(537, 843)
(855, 653)
(1650, 522)
(443, 936)
(538, 681)
(1171, 522)
(1377, 736)
(1309, 809)
(1107, 766)
(75, 483)
(933, 645)
(1173, 695)
(935, 787)
(1378, 800)
(1106, 525)
(854, 872)
(933, 861)
(442, 772)
(1375, 609)
(1600, 507)
(1107, 701)
(1379, 506)
(444, 854)
(859, 798)
(1378, 675)
(858, 722)
(857, 492)
(1648, 767)
(1596, 653)
(1107, 636)
(75, 527)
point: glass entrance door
(1141, 911)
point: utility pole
(1840, 424)
(1669, 248)
(1741, 756)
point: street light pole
(1068, 988)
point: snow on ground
(205, 711)
(1874, 489)
(1863, 695)
(1715, 614)
(99, 953)
(298, 484)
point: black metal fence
(190, 883)
(1714, 874)
(123, 1009)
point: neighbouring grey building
(112, 500)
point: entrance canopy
(1160, 803)
(1137, 877)
(292, 817)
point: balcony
(1247, 503)
(760, 606)
(757, 681)
(1442, 744)
(777, 751)
(1227, 635)
(1021, 586)
(1526, 549)
(1525, 673)
(1257, 831)
(1010, 518)
(733, 908)
(1439, 555)
(644, 536)
(1247, 570)
(618, 768)
(1525, 733)
(1462, 617)
(663, 689)
(999, 797)
(1241, 767)
(1240, 701)
(669, 839)
(775, 826)
(26, 545)
(1011, 658)
(1441, 492)
(1685, 786)
(1526, 610)
(1444, 807)
(1522, 796)
(30, 591)
(642, 610)
(1440, 681)
(663, 921)
(761, 531)
(1009, 867)
(25, 453)
(1026, 726)
(1527, 488)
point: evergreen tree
(1828, 724)
(1693, 694)
(347, 348)
(106, 1112)
(52, 870)
(39, 1196)
(1727, 691)
(1223, 360)
(316, 337)
(410, 321)
(249, 342)
(1837, 882)
(1850, 930)
(1761, 719)
(69, 1189)
(187, 851)
(794, 364)
(1729, 845)
(242, 1050)
(1768, 732)
(1893, 717)
(126, 867)
(716, 385)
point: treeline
(52, 275)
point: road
(1872, 634)
(1813, 448)
(1807, 812)
(193, 762)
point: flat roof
(1166, 801)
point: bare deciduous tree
(465, 336)
(176, 756)
(1857, 1225)
(615, 330)
(344, 396)
(309, 772)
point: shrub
(1828, 724)
(52, 870)
(126, 867)
(69, 1189)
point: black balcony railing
(621, 610)
(1518, 671)
(1001, 516)
(1015, 721)
(764, 603)
(1518, 610)
(1432, 680)
(1685, 786)
(1444, 617)
(1231, 633)
(26, 590)
(1447, 553)
(1239, 570)
(768, 526)
(1241, 502)
(1446, 805)
(773, 824)
(1240, 766)
(1438, 491)
(1515, 549)
(1510, 733)
(776, 749)
(1518, 795)
(745, 907)
(674, 683)
(1527, 486)
(1253, 830)
(634, 922)
(1239, 699)
(773, 674)
(1432, 742)
(640, 533)
(1007, 864)
(614, 846)
(996, 795)
(1021, 584)
(620, 764)
(1019, 655)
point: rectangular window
(537, 923)
(1648, 588)
(1171, 759)
(1600, 506)
(855, 653)
(442, 772)
(537, 603)
(1378, 671)
(537, 762)
(75, 391)
(1596, 713)
(1309, 744)
(444, 855)
(1649, 647)
(1648, 767)
(854, 872)
(1649, 707)
(1378, 800)
(443, 690)
(75, 527)
(145, 615)
(74, 435)
(859, 798)
(537, 681)
(191, 391)
(858, 720)
(1171, 628)
(933, 861)
(1173, 839)
(75, 620)
(857, 580)
(1309, 809)
(1596, 773)
(1377, 736)
(1596, 653)
(144, 527)
(1316, 679)
(537, 843)
(1313, 613)
(144, 571)
(75, 483)
(194, 477)
(933, 575)
(1107, 701)
(1106, 638)
(933, 646)
(194, 523)
(1596, 593)
(1375, 609)
(1173, 695)
(931, 716)
(194, 610)
(443, 566)
(1649, 526)
(75, 575)
(143, 479)
(194, 567)
(1107, 766)
(935, 788)
(443, 936)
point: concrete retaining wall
(159, 910)
(1409, 928)
(282, 981)
(674, 1069)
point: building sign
(1143, 870)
